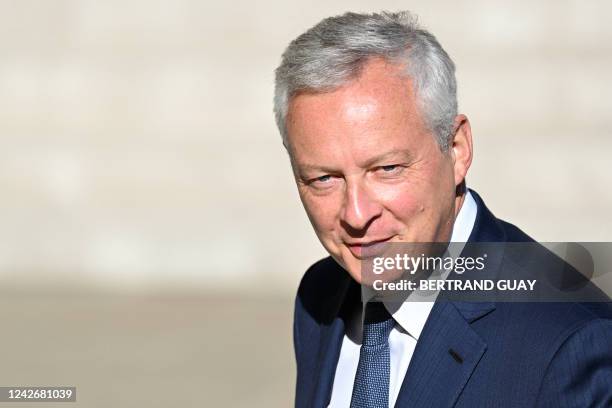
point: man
(366, 105)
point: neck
(460, 193)
(458, 203)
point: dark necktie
(371, 386)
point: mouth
(369, 249)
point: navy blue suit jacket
(513, 354)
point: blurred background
(151, 236)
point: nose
(359, 209)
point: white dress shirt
(410, 319)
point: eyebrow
(405, 154)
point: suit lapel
(329, 352)
(446, 354)
(331, 337)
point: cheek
(415, 202)
(402, 202)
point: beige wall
(139, 149)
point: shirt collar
(411, 316)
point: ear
(461, 148)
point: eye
(324, 182)
(389, 171)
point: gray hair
(334, 51)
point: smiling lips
(364, 250)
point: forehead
(380, 82)
(376, 110)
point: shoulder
(321, 289)
(551, 352)
(567, 300)
(558, 353)
(549, 324)
(514, 233)
(580, 369)
(322, 278)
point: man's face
(367, 168)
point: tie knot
(377, 324)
